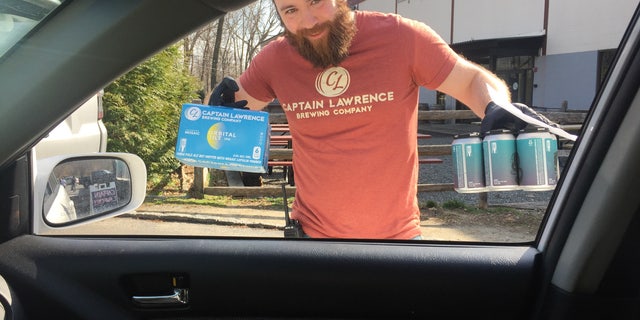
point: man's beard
(333, 48)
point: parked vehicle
(57, 202)
(582, 265)
(82, 131)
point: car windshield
(18, 18)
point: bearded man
(348, 82)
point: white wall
(435, 13)
(484, 19)
(474, 19)
(577, 30)
(378, 5)
(577, 25)
(570, 21)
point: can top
(498, 131)
(467, 135)
(534, 130)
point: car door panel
(274, 277)
(586, 248)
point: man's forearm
(482, 83)
(468, 82)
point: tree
(198, 52)
(175, 76)
(216, 51)
(250, 29)
(244, 32)
(142, 110)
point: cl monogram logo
(333, 82)
(193, 113)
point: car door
(581, 265)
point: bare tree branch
(244, 32)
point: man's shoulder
(277, 43)
(278, 47)
(374, 20)
(375, 16)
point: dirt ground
(495, 225)
(504, 225)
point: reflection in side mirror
(82, 188)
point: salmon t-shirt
(354, 126)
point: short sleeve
(432, 58)
(254, 80)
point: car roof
(78, 49)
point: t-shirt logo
(333, 82)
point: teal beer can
(500, 161)
(466, 151)
(538, 159)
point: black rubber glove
(495, 117)
(224, 94)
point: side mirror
(83, 188)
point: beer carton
(223, 138)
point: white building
(552, 53)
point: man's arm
(467, 82)
(471, 84)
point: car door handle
(178, 298)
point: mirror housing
(72, 190)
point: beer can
(500, 161)
(466, 152)
(537, 159)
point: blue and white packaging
(223, 138)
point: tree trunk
(199, 176)
(216, 53)
(483, 202)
